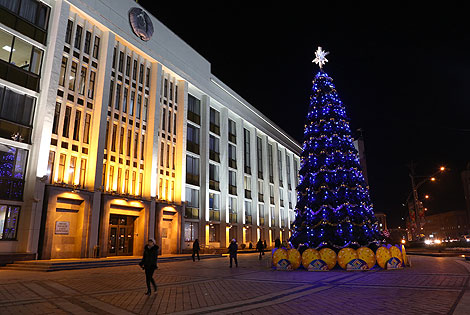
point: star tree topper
(320, 57)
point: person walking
(232, 250)
(149, 263)
(196, 250)
(260, 248)
(277, 243)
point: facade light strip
(266, 121)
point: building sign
(62, 227)
(141, 23)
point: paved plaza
(434, 285)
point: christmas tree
(334, 208)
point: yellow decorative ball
(293, 255)
(366, 254)
(329, 257)
(308, 256)
(383, 256)
(395, 252)
(345, 255)
(278, 255)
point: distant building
(382, 219)
(466, 188)
(451, 224)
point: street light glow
(442, 168)
(433, 179)
(426, 196)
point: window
(259, 151)
(232, 131)
(192, 207)
(121, 61)
(72, 170)
(271, 194)
(20, 53)
(213, 176)
(248, 217)
(260, 191)
(214, 208)
(194, 109)
(61, 170)
(121, 141)
(13, 161)
(128, 65)
(139, 106)
(78, 37)
(91, 84)
(289, 186)
(192, 143)
(134, 70)
(214, 233)
(32, 11)
(76, 127)
(232, 156)
(145, 109)
(55, 123)
(111, 93)
(261, 214)
(192, 170)
(68, 32)
(141, 74)
(117, 101)
(86, 131)
(136, 143)
(169, 121)
(9, 216)
(247, 151)
(147, 78)
(68, 113)
(96, 47)
(131, 103)
(129, 141)
(171, 91)
(124, 102)
(270, 163)
(82, 81)
(163, 119)
(232, 182)
(73, 76)
(247, 186)
(50, 166)
(296, 173)
(165, 88)
(214, 117)
(273, 217)
(232, 208)
(63, 70)
(214, 151)
(86, 47)
(16, 107)
(279, 162)
(113, 138)
(281, 197)
(191, 231)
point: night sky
(402, 72)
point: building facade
(113, 130)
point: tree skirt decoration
(329, 257)
(280, 260)
(294, 257)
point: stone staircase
(86, 263)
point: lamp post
(414, 192)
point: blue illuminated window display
(12, 172)
(8, 222)
(334, 208)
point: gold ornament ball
(345, 255)
(279, 254)
(293, 256)
(395, 252)
(308, 256)
(329, 257)
(366, 254)
(383, 256)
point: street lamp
(414, 191)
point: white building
(107, 139)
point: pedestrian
(260, 248)
(232, 250)
(196, 249)
(149, 263)
(277, 243)
(251, 246)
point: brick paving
(434, 285)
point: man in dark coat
(149, 263)
(196, 250)
(232, 250)
(260, 248)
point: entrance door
(121, 235)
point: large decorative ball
(329, 257)
(279, 254)
(395, 252)
(293, 256)
(345, 255)
(308, 256)
(366, 254)
(383, 256)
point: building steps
(87, 263)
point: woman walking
(149, 263)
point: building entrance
(121, 235)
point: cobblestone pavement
(434, 285)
